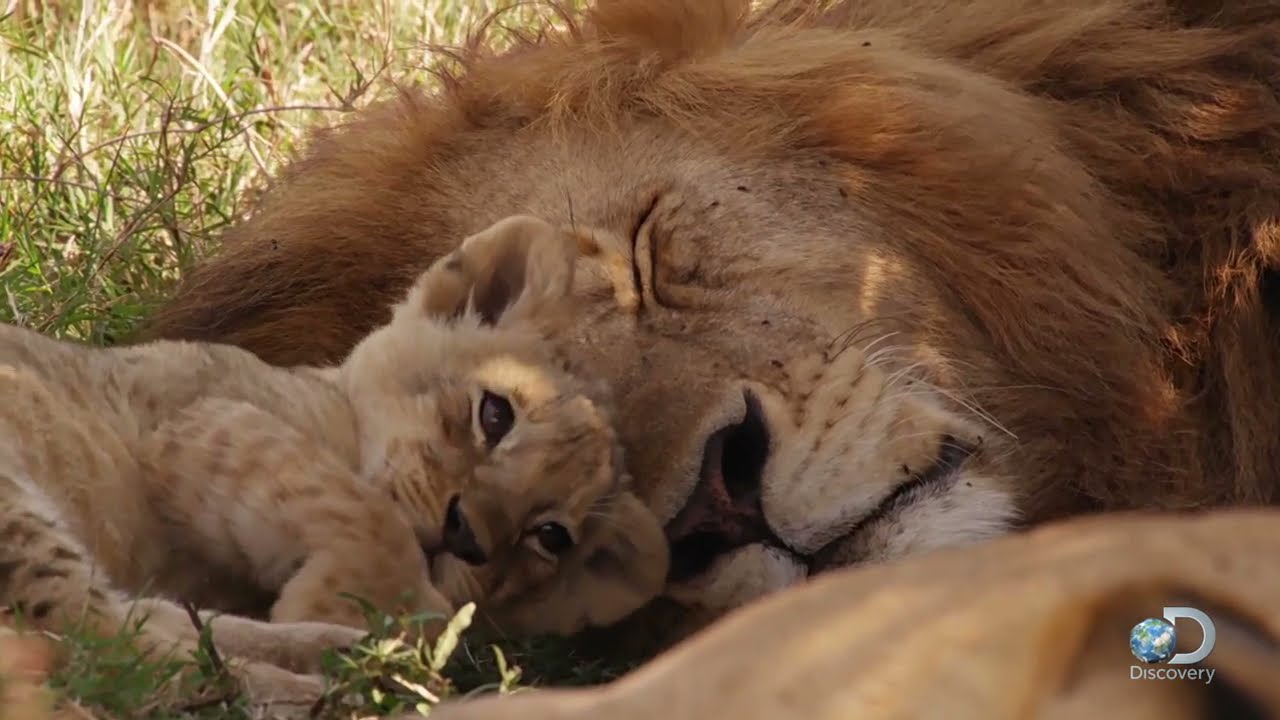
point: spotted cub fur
(452, 457)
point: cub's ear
(622, 566)
(619, 565)
(519, 268)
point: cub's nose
(459, 538)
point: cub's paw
(275, 692)
(301, 646)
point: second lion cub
(197, 472)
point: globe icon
(1153, 640)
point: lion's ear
(516, 269)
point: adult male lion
(868, 278)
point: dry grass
(131, 133)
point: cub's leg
(53, 453)
(48, 579)
(251, 489)
(296, 646)
(47, 576)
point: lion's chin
(960, 508)
(739, 577)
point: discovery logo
(1155, 641)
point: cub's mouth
(724, 511)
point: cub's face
(503, 459)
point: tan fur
(1032, 626)
(25, 662)
(197, 472)
(877, 229)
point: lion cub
(196, 472)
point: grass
(96, 678)
(84, 676)
(132, 132)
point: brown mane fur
(1164, 130)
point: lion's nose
(724, 511)
(459, 539)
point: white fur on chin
(968, 510)
(741, 576)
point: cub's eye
(554, 538)
(496, 417)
